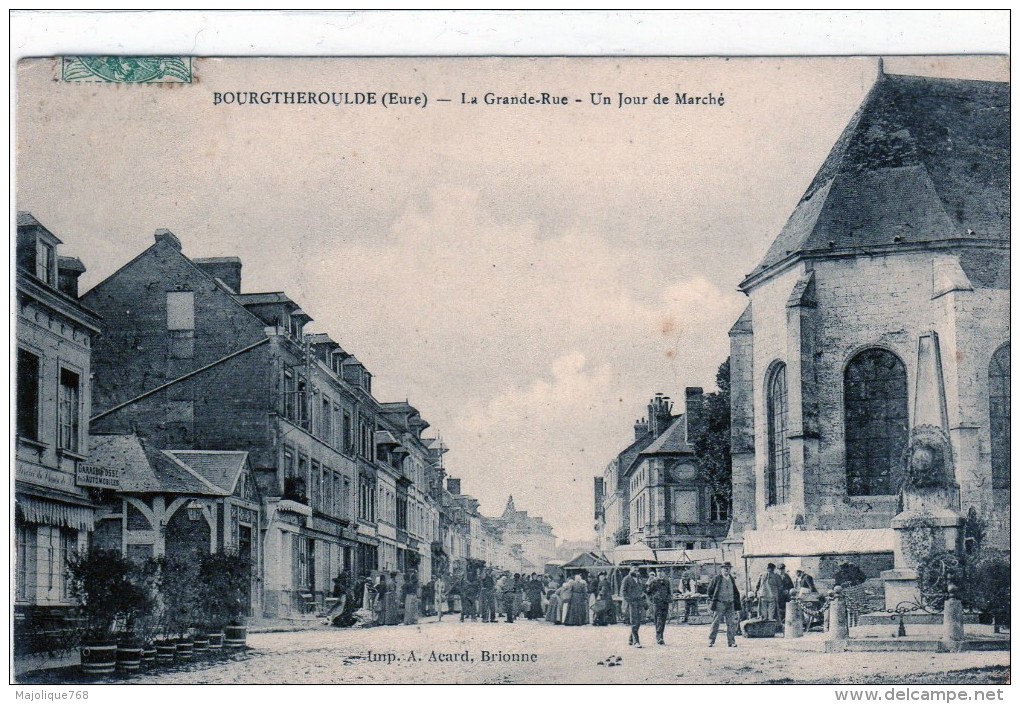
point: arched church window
(875, 418)
(998, 411)
(778, 470)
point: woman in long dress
(565, 594)
(577, 613)
(391, 614)
(411, 599)
(379, 600)
(552, 611)
(605, 609)
(439, 593)
(533, 589)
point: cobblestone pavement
(538, 652)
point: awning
(679, 556)
(52, 513)
(637, 552)
(817, 543)
(586, 560)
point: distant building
(881, 311)
(652, 493)
(671, 506)
(534, 535)
(612, 518)
(54, 511)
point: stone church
(879, 313)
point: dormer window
(46, 262)
(295, 327)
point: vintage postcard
(605, 370)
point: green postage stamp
(126, 69)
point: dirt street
(538, 652)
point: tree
(712, 437)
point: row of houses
(875, 342)
(167, 410)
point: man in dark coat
(469, 599)
(660, 594)
(724, 602)
(634, 596)
(487, 596)
(534, 590)
(785, 585)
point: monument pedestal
(932, 510)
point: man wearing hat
(724, 602)
(634, 596)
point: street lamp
(195, 510)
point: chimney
(68, 271)
(164, 235)
(694, 408)
(659, 415)
(640, 429)
(453, 485)
(226, 269)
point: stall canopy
(678, 556)
(587, 560)
(817, 543)
(633, 553)
(641, 554)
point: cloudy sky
(528, 277)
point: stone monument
(930, 519)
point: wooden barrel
(99, 659)
(185, 649)
(235, 636)
(166, 652)
(148, 654)
(216, 641)
(129, 658)
(202, 644)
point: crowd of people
(490, 595)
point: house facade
(54, 485)
(192, 362)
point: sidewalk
(72, 658)
(29, 663)
(284, 625)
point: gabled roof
(222, 469)
(125, 454)
(148, 470)
(26, 219)
(923, 160)
(673, 441)
(587, 559)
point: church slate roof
(923, 160)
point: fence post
(952, 617)
(839, 629)
(794, 626)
